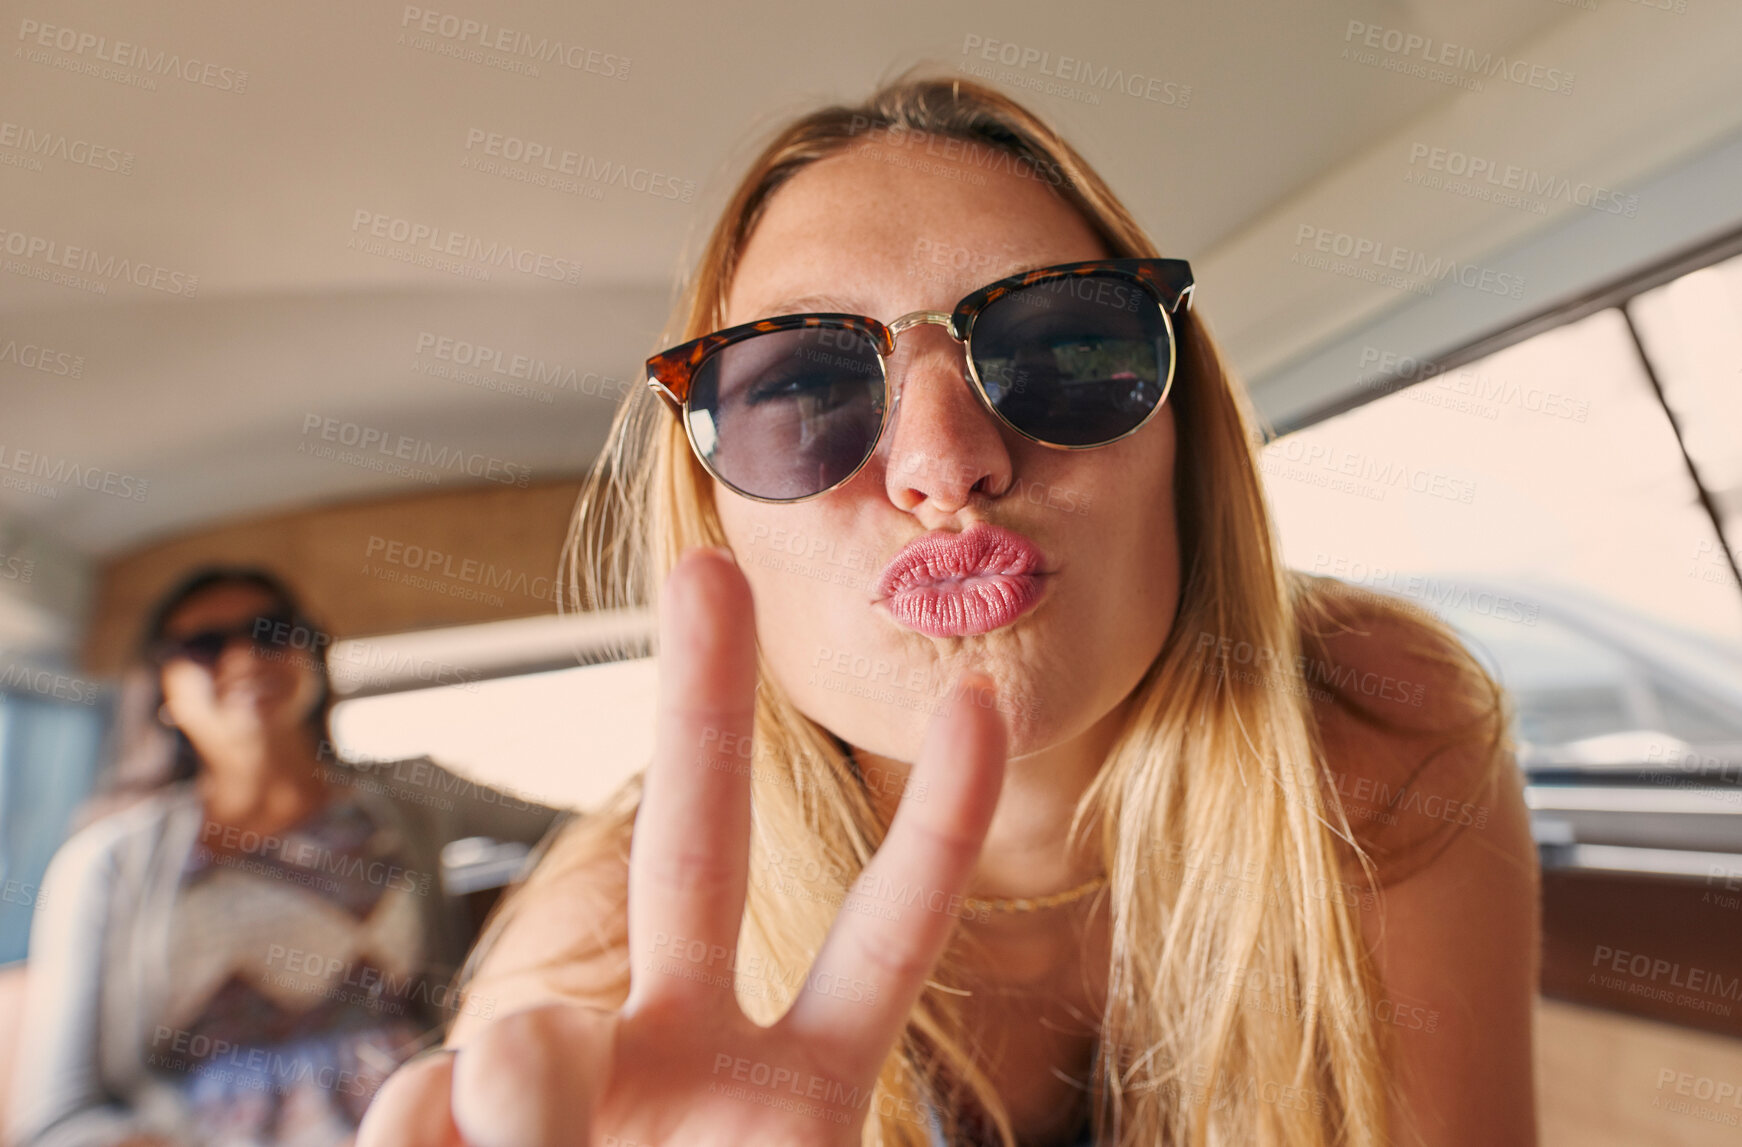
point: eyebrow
(824, 302)
(803, 304)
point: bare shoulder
(1414, 730)
(562, 933)
(1414, 735)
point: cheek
(302, 677)
(1119, 534)
(1151, 518)
(291, 663)
(811, 583)
(1110, 509)
(801, 568)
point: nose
(239, 655)
(943, 445)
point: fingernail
(975, 682)
(430, 1053)
(723, 551)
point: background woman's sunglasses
(206, 647)
(1073, 356)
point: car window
(1540, 501)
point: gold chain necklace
(1032, 903)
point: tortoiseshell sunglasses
(1072, 356)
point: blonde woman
(1008, 789)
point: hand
(680, 1063)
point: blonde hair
(1222, 761)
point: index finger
(689, 854)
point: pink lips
(952, 585)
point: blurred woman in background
(242, 955)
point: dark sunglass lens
(204, 648)
(1077, 360)
(271, 630)
(788, 414)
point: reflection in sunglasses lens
(787, 414)
(1075, 361)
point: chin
(270, 714)
(880, 686)
(888, 731)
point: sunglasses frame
(671, 373)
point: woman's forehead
(846, 235)
(869, 194)
(217, 604)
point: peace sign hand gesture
(679, 1063)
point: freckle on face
(1103, 517)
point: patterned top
(294, 981)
